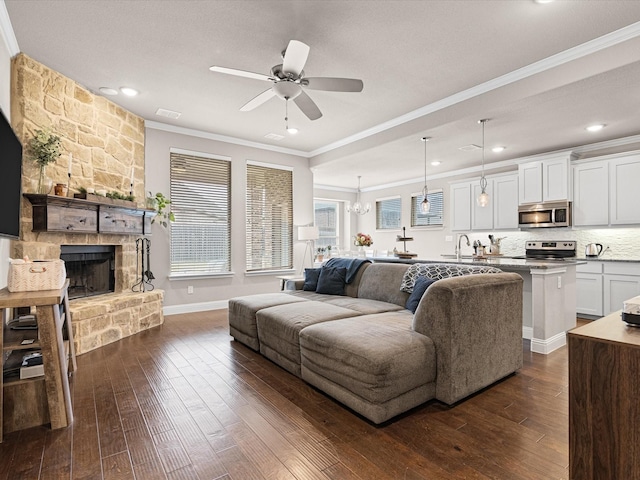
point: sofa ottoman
(279, 329)
(375, 364)
(242, 314)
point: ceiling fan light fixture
(290, 130)
(483, 198)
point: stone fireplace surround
(107, 143)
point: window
(269, 218)
(388, 213)
(327, 219)
(436, 210)
(200, 201)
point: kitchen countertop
(596, 259)
(506, 262)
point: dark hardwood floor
(184, 401)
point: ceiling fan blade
(295, 57)
(308, 106)
(333, 84)
(241, 73)
(258, 100)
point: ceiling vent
(274, 136)
(470, 148)
(163, 112)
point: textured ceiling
(425, 62)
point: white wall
(5, 96)
(213, 292)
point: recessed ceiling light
(108, 91)
(435, 163)
(543, 1)
(129, 92)
(595, 128)
(292, 130)
(497, 149)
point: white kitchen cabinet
(505, 204)
(481, 217)
(461, 206)
(589, 299)
(545, 180)
(591, 194)
(624, 175)
(621, 281)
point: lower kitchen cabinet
(602, 287)
(589, 294)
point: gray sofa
(370, 353)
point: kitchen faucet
(458, 249)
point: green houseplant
(44, 148)
(160, 204)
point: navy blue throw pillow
(311, 279)
(421, 285)
(331, 280)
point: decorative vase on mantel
(44, 183)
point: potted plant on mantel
(160, 204)
(44, 148)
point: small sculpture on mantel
(404, 239)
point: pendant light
(424, 205)
(291, 130)
(483, 198)
(357, 207)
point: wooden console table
(58, 355)
(604, 400)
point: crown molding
(606, 41)
(6, 29)
(222, 138)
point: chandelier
(358, 208)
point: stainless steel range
(550, 250)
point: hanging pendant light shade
(358, 208)
(424, 205)
(483, 198)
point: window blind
(436, 210)
(201, 203)
(388, 213)
(326, 218)
(269, 218)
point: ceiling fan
(288, 81)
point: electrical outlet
(190, 290)
(559, 282)
(448, 238)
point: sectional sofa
(366, 350)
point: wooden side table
(58, 355)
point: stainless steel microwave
(555, 214)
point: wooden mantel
(52, 213)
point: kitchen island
(549, 294)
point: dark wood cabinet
(73, 215)
(604, 400)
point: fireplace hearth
(90, 269)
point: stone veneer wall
(106, 141)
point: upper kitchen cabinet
(624, 189)
(591, 194)
(545, 180)
(505, 204)
(461, 206)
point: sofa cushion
(438, 271)
(331, 280)
(363, 306)
(420, 286)
(381, 281)
(279, 328)
(377, 357)
(311, 279)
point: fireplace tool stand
(143, 249)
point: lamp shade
(308, 233)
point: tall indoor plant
(44, 148)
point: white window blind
(201, 203)
(269, 218)
(388, 213)
(436, 210)
(327, 218)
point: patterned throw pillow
(439, 271)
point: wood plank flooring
(184, 401)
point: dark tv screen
(10, 180)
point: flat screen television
(10, 180)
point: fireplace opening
(90, 269)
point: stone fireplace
(103, 145)
(90, 269)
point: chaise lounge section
(366, 350)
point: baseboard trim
(195, 307)
(550, 344)
(527, 333)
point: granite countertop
(505, 262)
(596, 259)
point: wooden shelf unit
(29, 402)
